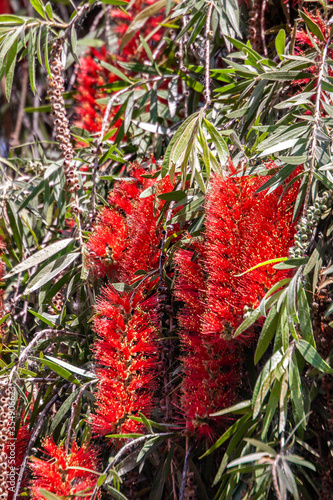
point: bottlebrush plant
(62, 473)
(166, 244)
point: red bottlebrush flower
(127, 237)
(91, 74)
(144, 232)
(5, 7)
(57, 474)
(126, 352)
(242, 229)
(107, 242)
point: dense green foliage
(208, 93)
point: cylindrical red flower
(126, 352)
(61, 473)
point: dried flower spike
(62, 132)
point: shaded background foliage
(153, 156)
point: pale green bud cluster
(307, 224)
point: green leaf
(256, 314)
(10, 68)
(60, 371)
(237, 436)
(71, 368)
(252, 457)
(291, 296)
(39, 7)
(162, 476)
(64, 408)
(227, 434)
(284, 76)
(289, 479)
(313, 27)
(252, 318)
(115, 2)
(314, 258)
(140, 20)
(310, 354)
(266, 263)
(267, 333)
(40, 256)
(7, 43)
(289, 143)
(219, 142)
(44, 318)
(116, 72)
(261, 446)
(11, 19)
(280, 43)
(48, 495)
(32, 50)
(271, 408)
(146, 423)
(47, 273)
(101, 480)
(173, 196)
(278, 362)
(175, 138)
(296, 392)
(115, 493)
(232, 409)
(305, 320)
(46, 53)
(128, 112)
(295, 459)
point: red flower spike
(127, 238)
(107, 242)
(126, 351)
(57, 474)
(242, 229)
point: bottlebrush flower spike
(57, 473)
(242, 229)
(91, 75)
(107, 242)
(127, 237)
(126, 352)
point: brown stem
(274, 475)
(262, 27)
(207, 56)
(14, 138)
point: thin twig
(25, 352)
(207, 55)
(74, 407)
(274, 475)
(14, 138)
(262, 27)
(187, 458)
(121, 453)
(315, 128)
